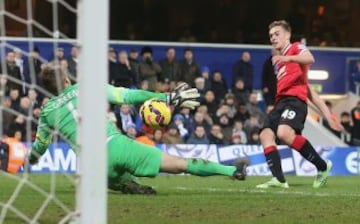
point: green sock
(201, 167)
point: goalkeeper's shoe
(131, 187)
(241, 165)
(322, 176)
(273, 183)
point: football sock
(202, 167)
(274, 162)
(303, 146)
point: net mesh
(25, 197)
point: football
(155, 113)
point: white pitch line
(284, 191)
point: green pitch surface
(189, 199)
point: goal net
(67, 185)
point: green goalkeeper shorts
(128, 155)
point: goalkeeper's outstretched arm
(42, 141)
(121, 95)
(182, 96)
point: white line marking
(270, 191)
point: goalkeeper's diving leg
(146, 161)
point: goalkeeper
(124, 155)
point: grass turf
(189, 199)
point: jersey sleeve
(300, 48)
(43, 138)
(120, 95)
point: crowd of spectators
(227, 115)
(350, 121)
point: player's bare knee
(282, 135)
(285, 134)
(180, 165)
(173, 164)
(263, 136)
(266, 135)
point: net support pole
(92, 34)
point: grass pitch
(211, 200)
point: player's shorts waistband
(290, 98)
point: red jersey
(292, 77)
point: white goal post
(92, 69)
(92, 34)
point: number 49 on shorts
(288, 114)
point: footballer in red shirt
(292, 76)
(286, 121)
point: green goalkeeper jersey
(60, 114)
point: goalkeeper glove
(33, 157)
(183, 96)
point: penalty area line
(269, 191)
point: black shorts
(290, 111)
